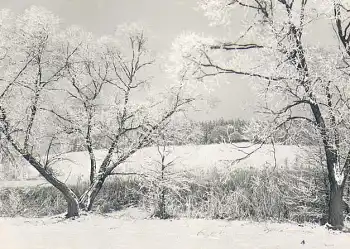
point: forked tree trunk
(336, 206)
(87, 200)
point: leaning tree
(61, 84)
(298, 79)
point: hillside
(192, 158)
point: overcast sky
(165, 19)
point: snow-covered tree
(58, 84)
(164, 177)
(297, 79)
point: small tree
(164, 177)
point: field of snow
(190, 158)
(130, 230)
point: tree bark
(336, 206)
(72, 207)
(336, 189)
(87, 200)
(161, 205)
(69, 195)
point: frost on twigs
(217, 11)
(131, 29)
(36, 22)
(187, 52)
(193, 59)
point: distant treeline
(229, 131)
(221, 131)
(239, 130)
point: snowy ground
(129, 229)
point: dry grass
(293, 195)
(281, 195)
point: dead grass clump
(285, 194)
(282, 195)
(31, 202)
(45, 200)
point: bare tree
(297, 81)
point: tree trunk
(336, 207)
(69, 195)
(87, 199)
(72, 207)
(161, 205)
(336, 188)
